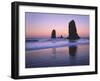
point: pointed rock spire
(73, 35)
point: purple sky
(40, 25)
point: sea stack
(73, 35)
(61, 36)
(53, 34)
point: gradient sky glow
(40, 25)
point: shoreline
(53, 44)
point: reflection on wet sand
(72, 50)
(72, 54)
(54, 51)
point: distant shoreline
(54, 44)
(37, 39)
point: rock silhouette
(53, 34)
(73, 35)
(61, 36)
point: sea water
(57, 52)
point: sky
(40, 25)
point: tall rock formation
(73, 35)
(53, 34)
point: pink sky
(40, 25)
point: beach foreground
(59, 52)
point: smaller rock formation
(53, 34)
(61, 36)
(73, 35)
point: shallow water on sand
(73, 55)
